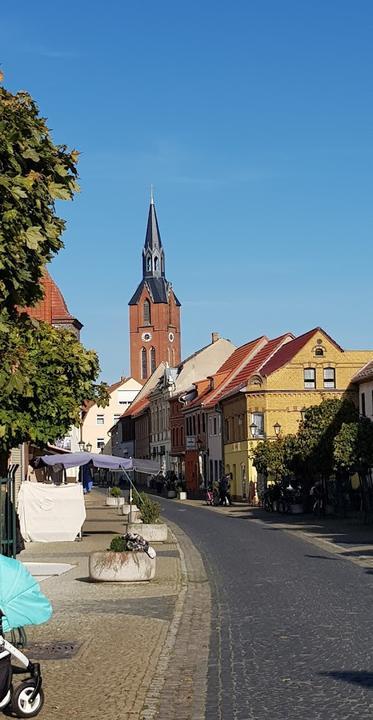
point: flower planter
(157, 532)
(110, 566)
(114, 501)
(135, 512)
(182, 495)
(296, 508)
(171, 493)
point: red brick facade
(52, 308)
(163, 331)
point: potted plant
(114, 497)
(121, 564)
(181, 489)
(151, 529)
(170, 484)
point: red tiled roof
(288, 351)
(239, 355)
(364, 374)
(137, 407)
(52, 308)
(253, 366)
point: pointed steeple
(153, 259)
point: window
(203, 422)
(309, 378)
(193, 424)
(198, 425)
(362, 403)
(156, 264)
(146, 312)
(258, 420)
(116, 418)
(329, 377)
(216, 470)
(100, 419)
(319, 352)
(149, 263)
(226, 430)
(215, 426)
(144, 364)
(152, 360)
(100, 443)
(211, 473)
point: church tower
(154, 310)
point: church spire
(153, 253)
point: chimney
(214, 337)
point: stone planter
(182, 495)
(114, 501)
(171, 493)
(152, 533)
(296, 508)
(135, 512)
(110, 566)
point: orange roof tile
(288, 351)
(253, 366)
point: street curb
(153, 695)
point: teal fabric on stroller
(21, 603)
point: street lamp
(85, 447)
(253, 429)
(277, 428)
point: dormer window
(319, 352)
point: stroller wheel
(21, 705)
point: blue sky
(253, 120)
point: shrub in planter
(115, 498)
(151, 529)
(120, 564)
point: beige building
(97, 421)
(364, 380)
(201, 364)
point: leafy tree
(275, 457)
(33, 174)
(317, 432)
(353, 447)
(45, 376)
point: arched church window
(147, 316)
(149, 264)
(144, 364)
(156, 264)
(152, 360)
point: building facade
(97, 422)
(273, 390)
(154, 310)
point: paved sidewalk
(122, 629)
(349, 538)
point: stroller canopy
(21, 600)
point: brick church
(154, 310)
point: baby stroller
(21, 603)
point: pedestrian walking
(224, 486)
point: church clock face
(171, 336)
(146, 336)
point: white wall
(99, 421)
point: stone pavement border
(184, 660)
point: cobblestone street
(291, 626)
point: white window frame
(100, 419)
(100, 443)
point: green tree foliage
(275, 458)
(353, 447)
(45, 376)
(33, 174)
(315, 439)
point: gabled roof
(240, 380)
(287, 352)
(159, 289)
(234, 365)
(52, 308)
(364, 374)
(90, 403)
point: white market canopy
(107, 462)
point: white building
(98, 421)
(364, 379)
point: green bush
(118, 544)
(150, 510)
(115, 492)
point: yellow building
(269, 394)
